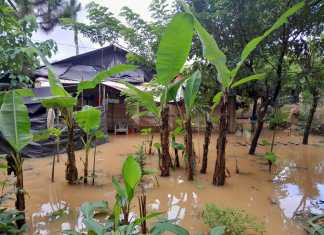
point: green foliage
(249, 48)
(8, 220)
(277, 118)
(191, 91)
(271, 157)
(219, 230)
(17, 59)
(175, 44)
(165, 226)
(88, 119)
(132, 175)
(140, 157)
(15, 124)
(235, 221)
(145, 99)
(216, 56)
(146, 131)
(265, 142)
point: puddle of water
(300, 182)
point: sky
(64, 38)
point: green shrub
(236, 222)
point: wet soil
(296, 185)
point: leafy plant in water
(63, 101)
(235, 221)
(88, 120)
(15, 128)
(228, 78)
(132, 175)
(173, 51)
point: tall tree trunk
(76, 39)
(310, 118)
(71, 172)
(208, 132)
(258, 130)
(189, 149)
(220, 165)
(20, 193)
(271, 99)
(164, 134)
(253, 117)
(232, 113)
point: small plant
(132, 175)
(8, 221)
(271, 158)
(89, 121)
(235, 221)
(140, 157)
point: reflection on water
(300, 184)
(177, 205)
(48, 212)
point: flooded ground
(296, 186)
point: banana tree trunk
(71, 172)
(208, 131)
(20, 194)
(164, 134)
(232, 113)
(220, 165)
(189, 149)
(310, 119)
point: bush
(236, 222)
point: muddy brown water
(296, 185)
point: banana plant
(132, 175)
(88, 119)
(172, 53)
(190, 94)
(15, 128)
(228, 78)
(62, 100)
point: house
(107, 95)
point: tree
(228, 80)
(71, 12)
(290, 39)
(311, 63)
(47, 12)
(172, 53)
(141, 38)
(17, 59)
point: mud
(296, 185)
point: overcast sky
(64, 38)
